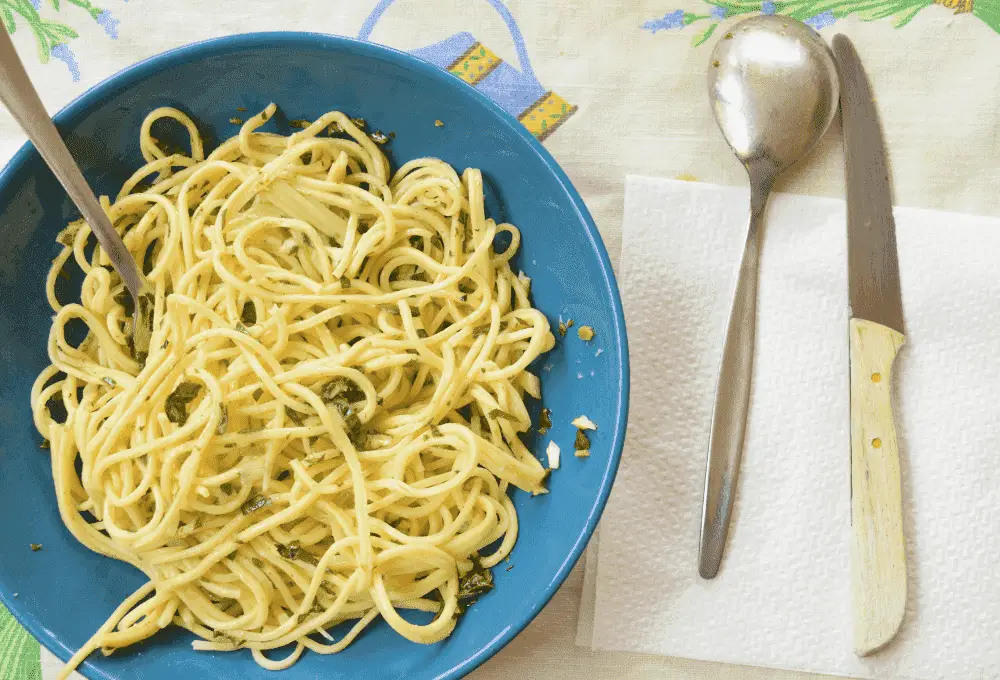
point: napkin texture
(782, 598)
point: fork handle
(22, 100)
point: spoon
(774, 91)
(22, 100)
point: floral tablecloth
(610, 87)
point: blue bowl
(64, 592)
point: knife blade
(878, 548)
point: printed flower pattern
(53, 37)
(820, 14)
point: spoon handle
(19, 96)
(732, 397)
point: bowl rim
(130, 75)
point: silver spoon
(772, 82)
(22, 100)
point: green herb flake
(294, 416)
(562, 328)
(290, 551)
(254, 503)
(226, 488)
(345, 282)
(283, 475)
(236, 121)
(438, 123)
(35, 547)
(497, 414)
(176, 404)
(249, 314)
(45, 444)
(241, 328)
(436, 431)
(544, 421)
(476, 582)
(354, 428)
(360, 122)
(227, 639)
(142, 327)
(334, 128)
(223, 420)
(258, 393)
(68, 235)
(299, 123)
(581, 443)
(421, 333)
(379, 137)
(257, 562)
(241, 109)
(341, 389)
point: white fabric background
(642, 110)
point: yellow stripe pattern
(546, 114)
(960, 6)
(475, 64)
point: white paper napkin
(782, 598)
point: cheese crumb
(553, 453)
(584, 423)
(581, 454)
(438, 123)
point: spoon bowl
(774, 90)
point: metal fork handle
(22, 100)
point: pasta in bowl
(334, 435)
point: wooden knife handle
(878, 549)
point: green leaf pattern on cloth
(821, 13)
(19, 658)
(52, 37)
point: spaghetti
(326, 424)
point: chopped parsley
(248, 316)
(544, 421)
(476, 582)
(254, 503)
(176, 404)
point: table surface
(632, 75)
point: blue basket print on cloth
(517, 91)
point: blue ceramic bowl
(63, 593)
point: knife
(878, 549)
